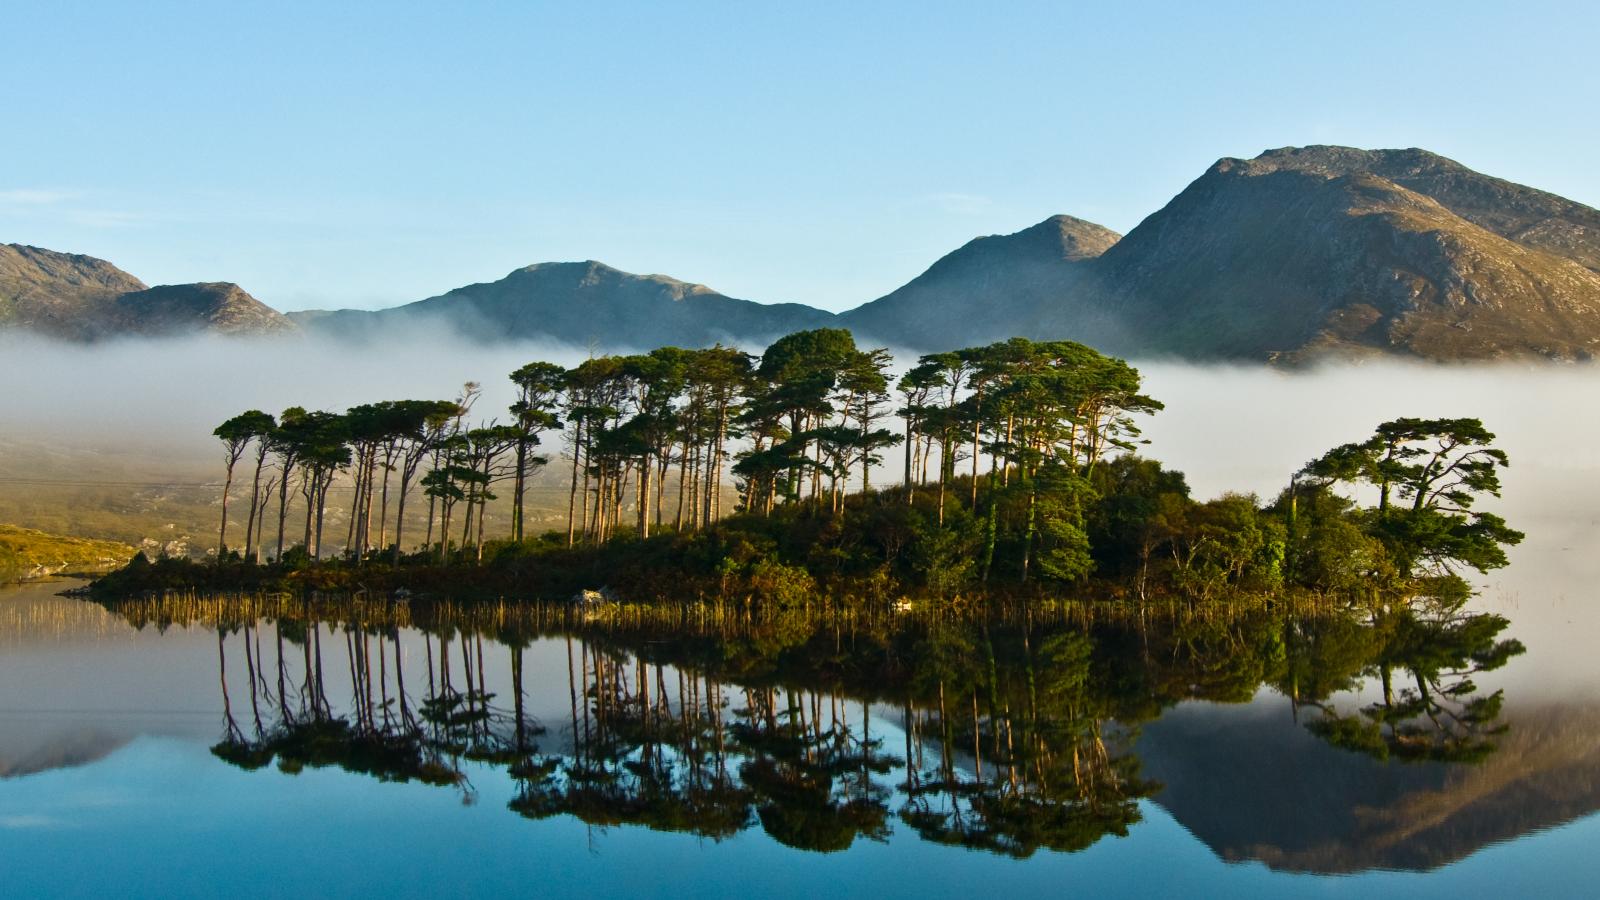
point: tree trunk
(250, 532)
(572, 494)
(517, 489)
(911, 442)
(400, 517)
(646, 471)
(1027, 544)
(222, 533)
(383, 504)
(683, 483)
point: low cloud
(39, 205)
(961, 204)
(33, 197)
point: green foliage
(1442, 467)
(784, 585)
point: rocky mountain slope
(1327, 250)
(75, 297)
(987, 288)
(1295, 255)
(59, 294)
(215, 306)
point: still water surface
(146, 751)
(141, 756)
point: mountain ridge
(77, 297)
(1297, 254)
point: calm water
(139, 757)
(190, 748)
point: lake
(193, 747)
(181, 747)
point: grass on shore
(26, 553)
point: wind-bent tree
(480, 465)
(592, 394)
(1428, 473)
(236, 435)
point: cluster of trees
(379, 445)
(1017, 465)
(796, 423)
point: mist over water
(155, 391)
(1246, 429)
(1228, 428)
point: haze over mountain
(1297, 254)
(986, 289)
(77, 297)
(582, 303)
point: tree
(539, 386)
(286, 448)
(798, 373)
(236, 435)
(420, 426)
(320, 440)
(917, 387)
(1437, 470)
(864, 386)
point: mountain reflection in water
(1011, 735)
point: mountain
(1295, 255)
(1008, 277)
(582, 303)
(214, 306)
(59, 294)
(1315, 251)
(75, 297)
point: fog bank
(1227, 428)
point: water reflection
(1010, 735)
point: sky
(368, 154)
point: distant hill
(216, 306)
(60, 294)
(581, 303)
(988, 289)
(1295, 255)
(76, 297)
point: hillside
(63, 295)
(25, 553)
(1303, 253)
(1296, 255)
(75, 297)
(987, 288)
(217, 307)
(581, 303)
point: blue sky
(357, 154)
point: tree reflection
(1430, 707)
(1011, 734)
